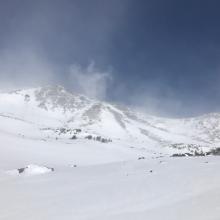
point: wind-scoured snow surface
(66, 156)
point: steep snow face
(53, 112)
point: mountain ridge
(55, 109)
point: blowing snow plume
(90, 80)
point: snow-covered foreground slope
(167, 188)
(65, 156)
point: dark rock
(178, 155)
(215, 152)
(141, 158)
(21, 170)
(73, 137)
(89, 137)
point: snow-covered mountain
(53, 113)
(66, 156)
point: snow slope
(171, 188)
(66, 156)
(52, 112)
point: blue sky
(161, 56)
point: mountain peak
(55, 88)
